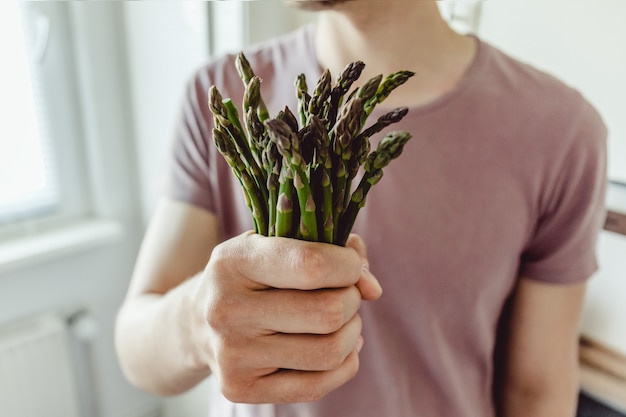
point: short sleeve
(562, 248)
(189, 177)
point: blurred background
(89, 92)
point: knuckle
(234, 390)
(310, 264)
(219, 313)
(219, 261)
(331, 354)
(227, 257)
(312, 395)
(225, 357)
(316, 391)
(221, 250)
(332, 315)
(232, 381)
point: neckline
(468, 78)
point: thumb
(368, 285)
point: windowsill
(53, 244)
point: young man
(482, 234)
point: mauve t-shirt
(504, 177)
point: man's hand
(276, 319)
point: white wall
(165, 42)
(281, 19)
(579, 41)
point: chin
(315, 4)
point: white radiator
(36, 378)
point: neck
(394, 35)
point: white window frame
(59, 114)
(102, 191)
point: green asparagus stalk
(323, 168)
(341, 143)
(288, 146)
(273, 164)
(296, 171)
(346, 78)
(390, 83)
(246, 74)
(320, 95)
(290, 119)
(241, 143)
(284, 204)
(389, 148)
(254, 126)
(361, 144)
(385, 120)
(304, 99)
(249, 187)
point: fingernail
(359, 344)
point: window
(42, 179)
(27, 177)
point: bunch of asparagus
(297, 171)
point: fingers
(290, 263)
(292, 386)
(313, 312)
(261, 313)
(297, 386)
(281, 316)
(307, 352)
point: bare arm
(542, 356)
(247, 310)
(153, 328)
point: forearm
(545, 398)
(154, 342)
(547, 389)
(541, 367)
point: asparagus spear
(341, 143)
(385, 120)
(288, 146)
(254, 126)
(390, 83)
(227, 118)
(273, 164)
(304, 99)
(323, 171)
(246, 74)
(313, 159)
(361, 144)
(320, 95)
(346, 78)
(389, 148)
(290, 119)
(249, 187)
(284, 204)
